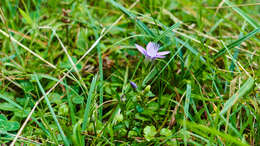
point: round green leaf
(165, 132)
(149, 132)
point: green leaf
(138, 116)
(27, 86)
(149, 132)
(2, 118)
(119, 117)
(22, 113)
(7, 107)
(67, 64)
(76, 134)
(26, 17)
(6, 125)
(10, 101)
(12, 126)
(63, 110)
(153, 106)
(55, 98)
(165, 132)
(132, 134)
(81, 41)
(247, 86)
(139, 108)
(78, 99)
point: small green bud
(147, 89)
(119, 117)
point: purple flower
(133, 85)
(151, 51)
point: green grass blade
(137, 66)
(11, 101)
(21, 108)
(235, 55)
(71, 108)
(167, 31)
(100, 68)
(234, 61)
(186, 113)
(149, 76)
(57, 80)
(76, 134)
(243, 14)
(26, 17)
(65, 140)
(125, 80)
(236, 43)
(101, 79)
(247, 86)
(187, 45)
(89, 100)
(215, 132)
(232, 127)
(132, 17)
(194, 51)
(171, 59)
(187, 100)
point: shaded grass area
(66, 68)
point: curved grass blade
(65, 140)
(187, 100)
(198, 127)
(57, 80)
(11, 101)
(167, 31)
(194, 51)
(132, 17)
(21, 108)
(87, 109)
(171, 59)
(243, 14)
(149, 76)
(71, 107)
(247, 86)
(100, 68)
(236, 43)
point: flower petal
(152, 49)
(140, 49)
(133, 85)
(159, 56)
(163, 53)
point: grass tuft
(70, 73)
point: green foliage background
(206, 91)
